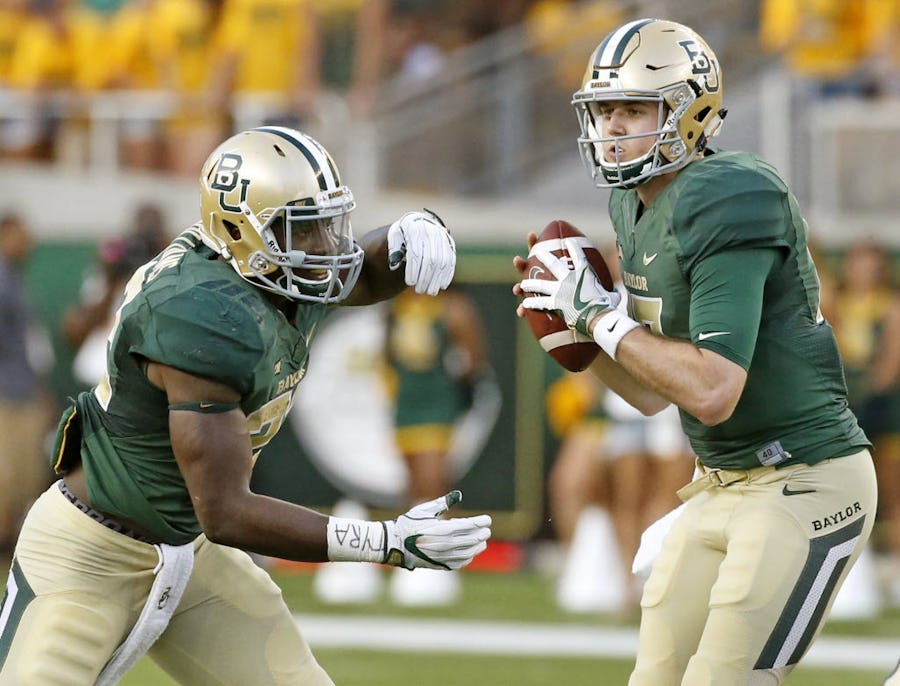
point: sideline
(534, 639)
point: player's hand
(576, 293)
(420, 539)
(422, 241)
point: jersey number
(647, 311)
(265, 422)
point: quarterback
(723, 321)
(139, 546)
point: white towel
(651, 543)
(172, 574)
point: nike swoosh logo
(788, 491)
(615, 324)
(648, 260)
(576, 298)
(205, 406)
(410, 545)
(711, 334)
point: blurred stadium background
(464, 109)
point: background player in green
(723, 321)
(209, 343)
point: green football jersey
(191, 311)
(720, 258)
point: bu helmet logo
(226, 178)
(701, 65)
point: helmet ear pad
(696, 124)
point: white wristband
(610, 329)
(355, 540)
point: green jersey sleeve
(725, 311)
(738, 206)
(199, 332)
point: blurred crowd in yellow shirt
(846, 46)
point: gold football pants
(77, 587)
(748, 573)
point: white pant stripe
(808, 609)
(12, 590)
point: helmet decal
(226, 178)
(701, 65)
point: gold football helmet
(650, 60)
(273, 205)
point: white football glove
(576, 293)
(423, 242)
(419, 539)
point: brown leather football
(572, 350)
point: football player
(723, 321)
(140, 543)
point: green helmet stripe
(319, 161)
(611, 51)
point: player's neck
(652, 187)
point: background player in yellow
(139, 546)
(723, 321)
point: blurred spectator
(353, 37)
(612, 462)
(108, 54)
(13, 14)
(179, 38)
(25, 410)
(866, 318)
(560, 30)
(86, 324)
(42, 61)
(436, 357)
(833, 43)
(367, 41)
(266, 61)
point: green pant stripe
(806, 605)
(15, 600)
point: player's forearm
(376, 281)
(267, 526)
(704, 384)
(620, 381)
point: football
(572, 350)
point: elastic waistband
(101, 518)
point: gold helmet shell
(273, 205)
(651, 60)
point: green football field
(514, 602)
